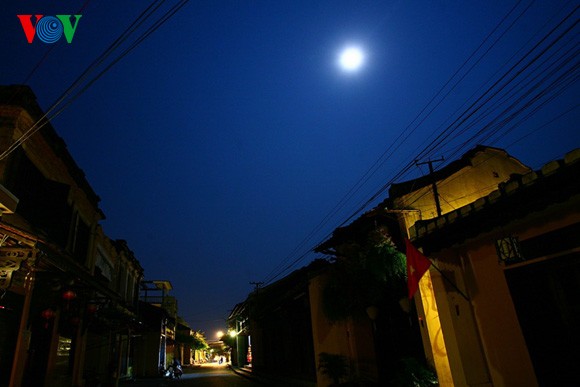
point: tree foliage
(199, 342)
(195, 341)
(364, 275)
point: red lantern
(69, 295)
(47, 314)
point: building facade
(514, 254)
(454, 351)
(68, 292)
(156, 346)
(464, 181)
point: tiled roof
(522, 194)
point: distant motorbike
(164, 373)
(174, 371)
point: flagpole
(414, 258)
(448, 280)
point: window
(103, 266)
(81, 234)
(508, 250)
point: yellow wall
(465, 352)
(434, 335)
(508, 360)
(483, 337)
(449, 325)
(352, 339)
(501, 334)
(487, 170)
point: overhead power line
(544, 72)
(67, 98)
(419, 119)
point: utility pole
(433, 181)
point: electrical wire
(58, 109)
(405, 134)
(489, 97)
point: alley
(208, 375)
(317, 193)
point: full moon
(351, 59)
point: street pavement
(206, 375)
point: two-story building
(60, 277)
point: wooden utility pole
(433, 182)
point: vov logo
(49, 29)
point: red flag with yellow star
(417, 265)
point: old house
(112, 326)
(513, 254)
(156, 344)
(239, 339)
(476, 174)
(283, 329)
(59, 275)
(496, 308)
(279, 326)
(376, 329)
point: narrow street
(207, 375)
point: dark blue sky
(224, 139)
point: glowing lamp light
(219, 334)
(69, 295)
(48, 314)
(233, 333)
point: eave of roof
(24, 97)
(555, 182)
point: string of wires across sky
(543, 68)
(537, 73)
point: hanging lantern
(69, 295)
(47, 314)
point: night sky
(229, 142)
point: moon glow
(351, 59)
